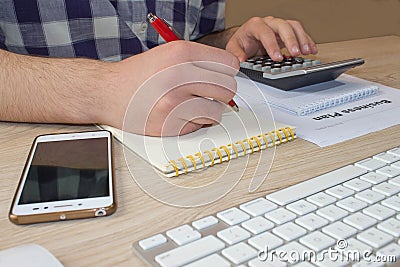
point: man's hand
(259, 36)
(193, 83)
(172, 89)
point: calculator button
(275, 70)
(315, 62)
(286, 68)
(257, 67)
(307, 64)
(266, 68)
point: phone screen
(65, 170)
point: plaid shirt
(109, 30)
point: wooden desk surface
(107, 241)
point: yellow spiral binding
(264, 138)
(219, 153)
(257, 141)
(234, 149)
(291, 132)
(287, 131)
(173, 163)
(198, 154)
(192, 159)
(272, 138)
(279, 136)
(228, 153)
(182, 160)
(243, 146)
(211, 156)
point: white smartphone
(66, 176)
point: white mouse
(28, 255)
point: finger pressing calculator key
(294, 72)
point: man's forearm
(218, 39)
(35, 89)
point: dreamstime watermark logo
(339, 253)
(183, 97)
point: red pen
(169, 34)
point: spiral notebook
(238, 134)
(309, 99)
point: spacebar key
(190, 252)
(315, 185)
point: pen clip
(172, 29)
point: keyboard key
(280, 216)
(212, 260)
(390, 226)
(395, 151)
(392, 202)
(301, 207)
(360, 221)
(183, 234)
(374, 178)
(354, 245)
(289, 231)
(379, 212)
(391, 249)
(275, 262)
(364, 263)
(311, 221)
(339, 192)
(265, 239)
(332, 213)
(233, 235)
(370, 196)
(258, 225)
(239, 253)
(375, 237)
(288, 248)
(317, 241)
(321, 199)
(387, 157)
(313, 186)
(152, 242)
(370, 164)
(395, 181)
(357, 184)
(339, 230)
(387, 189)
(389, 171)
(258, 207)
(351, 204)
(205, 222)
(190, 252)
(233, 216)
(396, 165)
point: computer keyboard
(294, 72)
(353, 208)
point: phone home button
(100, 212)
(63, 217)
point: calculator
(294, 72)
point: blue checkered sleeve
(109, 30)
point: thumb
(236, 49)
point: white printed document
(344, 122)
